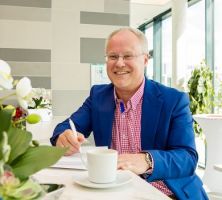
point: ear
(146, 58)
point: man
(149, 124)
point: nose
(120, 62)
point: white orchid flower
(23, 92)
(6, 79)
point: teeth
(121, 72)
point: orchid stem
(19, 121)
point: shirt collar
(134, 100)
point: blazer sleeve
(179, 157)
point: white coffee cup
(102, 165)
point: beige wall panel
(30, 68)
(116, 6)
(38, 82)
(27, 3)
(96, 31)
(25, 13)
(83, 5)
(25, 34)
(92, 50)
(65, 102)
(70, 76)
(65, 36)
(102, 18)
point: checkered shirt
(126, 130)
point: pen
(73, 128)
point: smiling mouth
(121, 73)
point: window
(166, 51)
(195, 40)
(195, 35)
(218, 48)
(149, 36)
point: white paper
(76, 161)
(70, 162)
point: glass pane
(195, 53)
(217, 51)
(167, 51)
(195, 35)
(149, 35)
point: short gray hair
(139, 34)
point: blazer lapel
(151, 109)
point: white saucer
(123, 177)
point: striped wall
(25, 39)
(54, 42)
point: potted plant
(40, 103)
(20, 156)
(200, 90)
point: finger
(62, 137)
(59, 144)
(72, 139)
(68, 153)
(74, 149)
(71, 150)
(81, 138)
(125, 166)
(124, 156)
(63, 141)
(68, 139)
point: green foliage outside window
(201, 92)
(218, 95)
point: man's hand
(133, 162)
(68, 139)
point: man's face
(127, 71)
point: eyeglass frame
(126, 57)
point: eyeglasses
(126, 57)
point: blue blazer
(166, 132)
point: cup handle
(82, 159)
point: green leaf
(200, 86)
(35, 159)
(5, 150)
(5, 119)
(19, 140)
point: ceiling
(151, 2)
(144, 10)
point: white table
(212, 128)
(137, 189)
